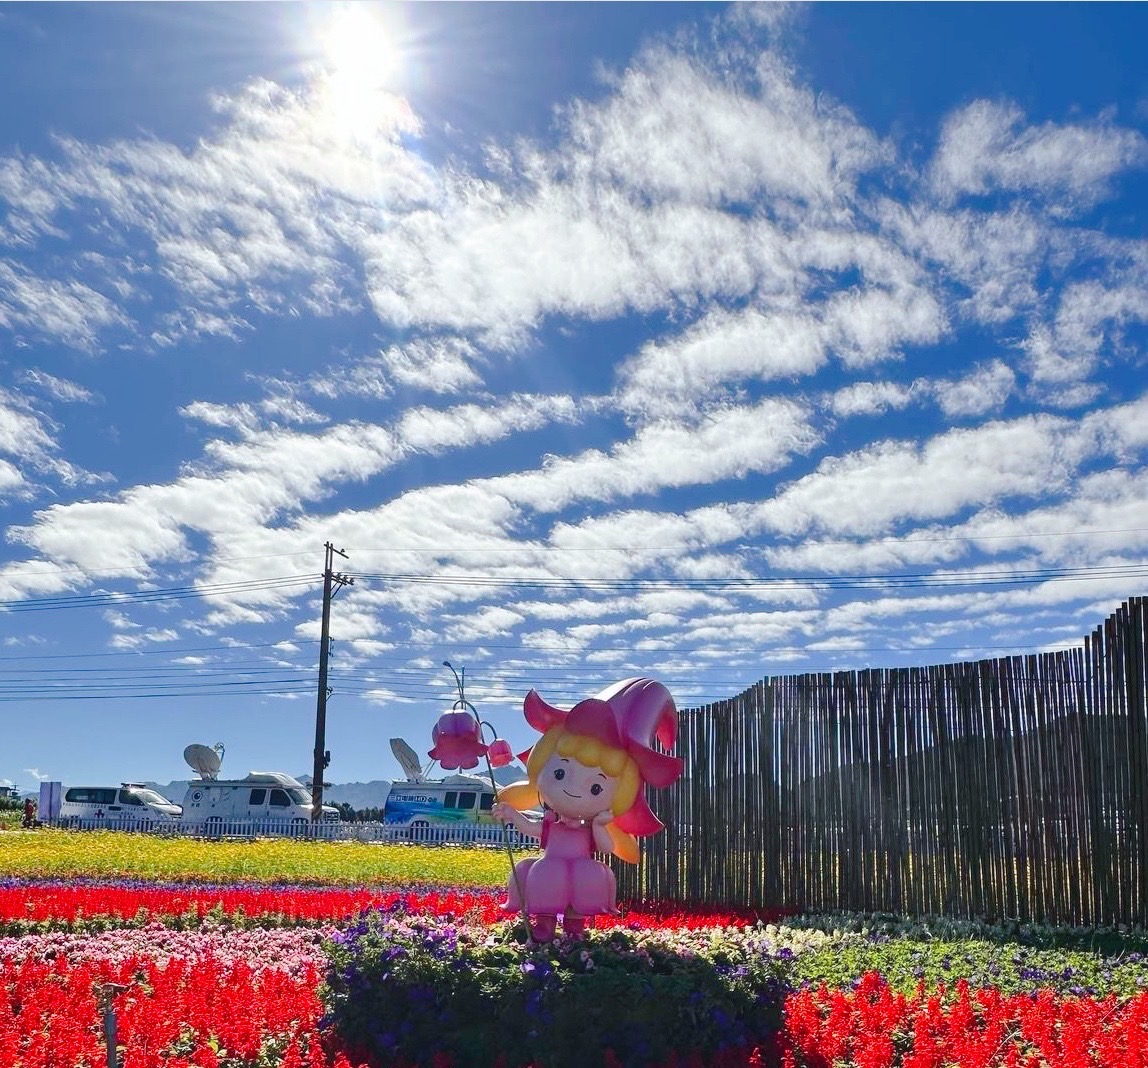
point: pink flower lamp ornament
(457, 738)
(589, 771)
(499, 753)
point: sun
(360, 61)
(360, 51)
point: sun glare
(361, 58)
(360, 51)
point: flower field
(274, 954)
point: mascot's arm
(518, 820)
(511, 800)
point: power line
(165, 651)
(122, 695)
(973, 578)
(104, 600)
(741, 545)
(108, 573)
(875, 582)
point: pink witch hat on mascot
(630, 715)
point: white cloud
(273, 196)
(488, 622)
(239, 417)
(22, 431)
(866, 326)
(120, 621)
(58, 388)
(727, 443)
(1089, 322)
(984, 390)
(724, 347)
(865, 493)
(764, 136)
(985, 147)
(10, 477)
(993, 258)
(441, 365)
(69, 310)
(870, 398)
(1104, 513)
(150, 636)
(466, 425)
(265, 476)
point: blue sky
(692, 341)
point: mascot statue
(588, 773)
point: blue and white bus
(453, 800)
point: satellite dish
(409, 760)
(203, 760)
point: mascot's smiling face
(575, 791)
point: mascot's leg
(594, 889)
(542, 928)
(517, 879)
(573, 924)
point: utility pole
(332, 584)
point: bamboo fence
(1014, 788)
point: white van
(261, 797)
(129, 803)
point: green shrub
(404, 988)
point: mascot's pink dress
(567, 879)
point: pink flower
(457, 739)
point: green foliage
(1104, 940)
(1009, 957)
(409, 987)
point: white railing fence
(479, 834)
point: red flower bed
(50, 901)
(176, 1016)
(198, 1015)
(872, 1027)
(40, 902)
(203, 1013)
(183, 1014)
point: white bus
(262, 797)
(456, 799)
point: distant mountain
(511, 773)
(358, 795)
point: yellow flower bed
(115, 853)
